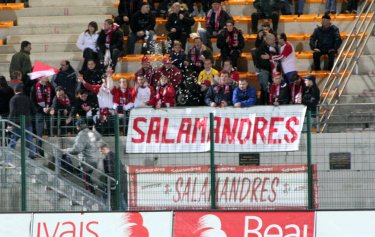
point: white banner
(262, 187)
(15, 225)
(130, 224)
(345, 223)
(254, 129)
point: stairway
(53, 28)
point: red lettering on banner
(260, 130)
(138, 130)
(291, 130)
(224, 190)
(154, 129)
(200, 124)
(164, 138)
(257, 182)
(68, 228)
(228, 131)
(254, 227)
(274, 185)
(273, 130)
(185, 128)
(234, 189)
(243, 195)
(243, 122)
(264, 190)
(217, 128)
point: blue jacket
(246, 98)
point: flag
(42, 70)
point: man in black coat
(311, 94)
(142, 25)
(220, 94)
(179, 25)
(326, 39)
(67, 79)
(19, 105)
(110, 38)
(230, 42)
(266, 9)
(215, 21)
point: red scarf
(109, 34)
(194, 57)
(296, 92)
(122, 97)
(65, 102)
(274, 93)
(232, 39)
(217, 17)
(43, 100)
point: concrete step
(55, 20)
(50, 56)
(39, 48)
(66, 11)
(370, 46)
(61, 28)
(54, 3)
(59, 38)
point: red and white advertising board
(130, 224)
(237, 187)
(244, 224)
(254, 129)
(15, 225)
(345, 223)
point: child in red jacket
(165, 93)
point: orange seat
(308, 18)
(11, 6)
(1, 42)
(6, 24)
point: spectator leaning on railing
(244, 95)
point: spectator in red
(198, 53)
(123, 97)
(287, 58)
(146, 70)
(297, 88)
(234, 74)
(165, 93)
(144, 94)
(230, 41)
(279, 90)
(173, 74)
(220, 95)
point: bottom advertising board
(15, 225)
(244, 224)
(127, 224)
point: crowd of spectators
(187, 76)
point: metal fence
(332, 170)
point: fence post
(212, 162)
(23, 164)
(117, 165)
(309, 163)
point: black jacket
(311, 97)
(143, 22)
(20, 104)
(68, 81)
(224, 16)
(222, 44)
(266, 7)
(182, 26)
(94, 77)
(128, 8)
(258, 61)
(117, 40)
(5, 94)
(326, 38)
(218, 94)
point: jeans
(264, 80)
(206, 35)
(331, 5)
(150, 42)
(256, 16)
(40, 120)
(299, 7)
(16, 134)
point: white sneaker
(9, 166)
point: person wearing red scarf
(41, 95)
(297, 88)
(110, 38)
(146, 70)
(123, 97)
(230, 42)
(215, 21)
(198, 53)
(173, 74)
(220, 95)
(61, 106)
(279, 90)
(165, 93)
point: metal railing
(347, 60)
(71, 170)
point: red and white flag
(42, 70)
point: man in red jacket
(165, 93)
(123, 97)
(173, 74)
